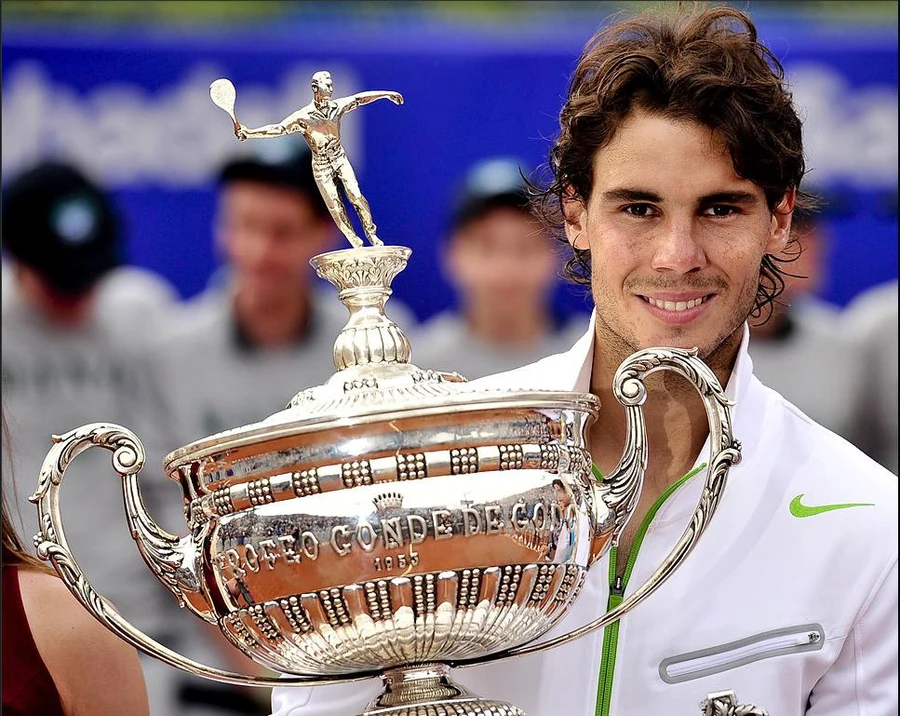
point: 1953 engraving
(401, 560)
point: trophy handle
(621, 489)
(165, 554)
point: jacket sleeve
(863, 679)
(332, 700)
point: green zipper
(617, 591)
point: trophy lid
(375, 381)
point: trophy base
(427, 690)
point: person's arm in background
(95, 672)
(871, 321)
(333, 700)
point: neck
(675, 417)
(522, 327)
(57, 310)
(271, 322)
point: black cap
(61, 224)
(488, 185)
(281, 162)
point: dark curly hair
(705, 66)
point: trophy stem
(427, 690)
(363, 279)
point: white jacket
(795, 614)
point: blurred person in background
(504, 269)
(802, 350)
(46, 635)
(262, 331)
(74, 319)
(871, 319)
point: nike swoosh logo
(798, 509)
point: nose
(258, 248)
(677, 248)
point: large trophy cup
(395, 521)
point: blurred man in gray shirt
(504, 269)
(872, 320)
(74, 319)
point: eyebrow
(614, 195)
(721, 197)
(729, 197)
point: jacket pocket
(716, 659)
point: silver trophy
(394, 522)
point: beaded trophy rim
(469, 401)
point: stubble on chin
(618, 343)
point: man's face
(323, 86)
(268, 235)
(502, 261)
(676, 238)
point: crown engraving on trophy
(388, 501)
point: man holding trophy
(675, 174)
(399, 522)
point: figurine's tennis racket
(222, 93)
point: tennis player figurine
(320, 124)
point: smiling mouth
(676, 306)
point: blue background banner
(133, 107)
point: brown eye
(638, 210)
(721, 211)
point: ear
(575, 212)
(452, 255)
(220, 241)
(780, 232)
(447, 254)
